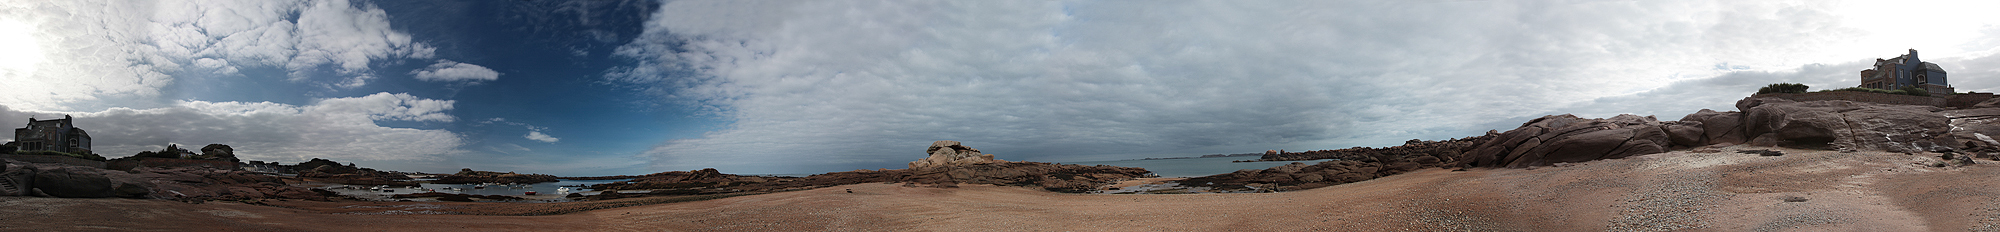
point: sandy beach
(1722, 191)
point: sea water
(505, 189)
(517, 189)
(1194, 167)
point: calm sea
(542, 188)
(1194, 167)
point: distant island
(1208, 156)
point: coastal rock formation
(1447, 151)
(217, 152)
(1296, 176)
(948, 165)
(329, 171)
(1069, 178)
(1974, 129)
(16, 179)
(1826, 125)
(707, 178)
(468, 176)
(75, 181)
(1846, 125)
(70, 181)
(950, 153)
(1718, 127)
(216, 184)
(1567, 138)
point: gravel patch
(1670, 203)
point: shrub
(153, 154)
(1914, 91)
(1783, 88)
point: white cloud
(90, 50)
(335, 128)
(446, 70)
(534, 132)
(538, 136)
(870, 83)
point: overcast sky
(781, 87)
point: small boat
(376, 188)
(388, 190)
(529, 193)
(562, 190)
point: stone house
(51, 135)
(1906, 71)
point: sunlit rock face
(951, 153)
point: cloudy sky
(768, 87)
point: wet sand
(1726, 191)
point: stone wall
(1967, 100)
(1859, 97)
(54, 159)
(130, 163)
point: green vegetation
(87, 156)
(1783, 88)
(1912, 91)
(153, 154)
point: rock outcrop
(468, 176)
(1297, 176)
(1719, 127)
(1068, 178)
(77, 182)
(70, 181)
(949, 164)
(950, 153)
(1567, 138)
(329, 171)
(17, 179)
(1446, 151)
(1832, 125)
(1845, 125)
(217, 152)
(707, 178)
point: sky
(584, 88)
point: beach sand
(1726, 191)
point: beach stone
(1718, 127)
(17, 179)
(74, 182)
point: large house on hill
(1906, 71)
(51, 135)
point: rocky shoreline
(1930, 139)
(1961, 133)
